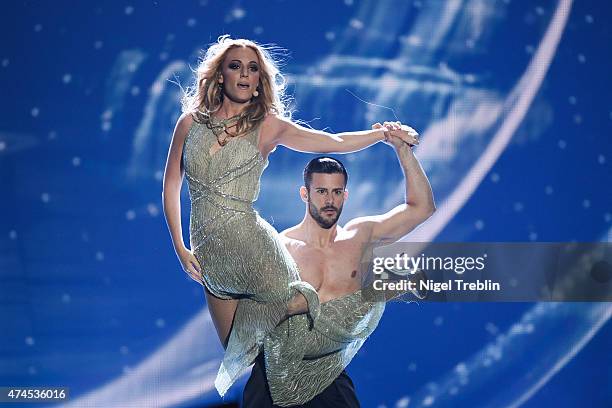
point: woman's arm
(221, 311)
(300, 138)
(294, 136)
(171, 196)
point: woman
(232, 119)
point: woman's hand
(398, 134)
(190, 264)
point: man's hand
(397, 134)
(418, 205)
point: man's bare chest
(337, 265)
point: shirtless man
(329, 255)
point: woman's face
(240, 74)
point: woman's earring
(256, 93)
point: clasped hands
(397, 134)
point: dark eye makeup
(236, 65)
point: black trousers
(339, 394)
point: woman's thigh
(222, 313)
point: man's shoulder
(287, 231)
(359, 225)
(290, 234)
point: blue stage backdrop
(511, 101)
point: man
(329, 255)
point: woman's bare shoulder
(184, 121)
(272, 125)
(183, 124)
(273, 120)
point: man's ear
(304, 194)
(346, 194)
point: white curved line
(562, 361)
(520, 99)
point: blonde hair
(205, 96)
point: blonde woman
(233, 117)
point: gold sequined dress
(240, 254)
(302, 360)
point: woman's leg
(222, 312)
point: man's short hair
(326, 165)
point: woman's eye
(233, 66)
(254, 68)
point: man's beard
(323, 222)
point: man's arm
(419, 203)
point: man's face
(326, 197)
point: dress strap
(254, 135)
